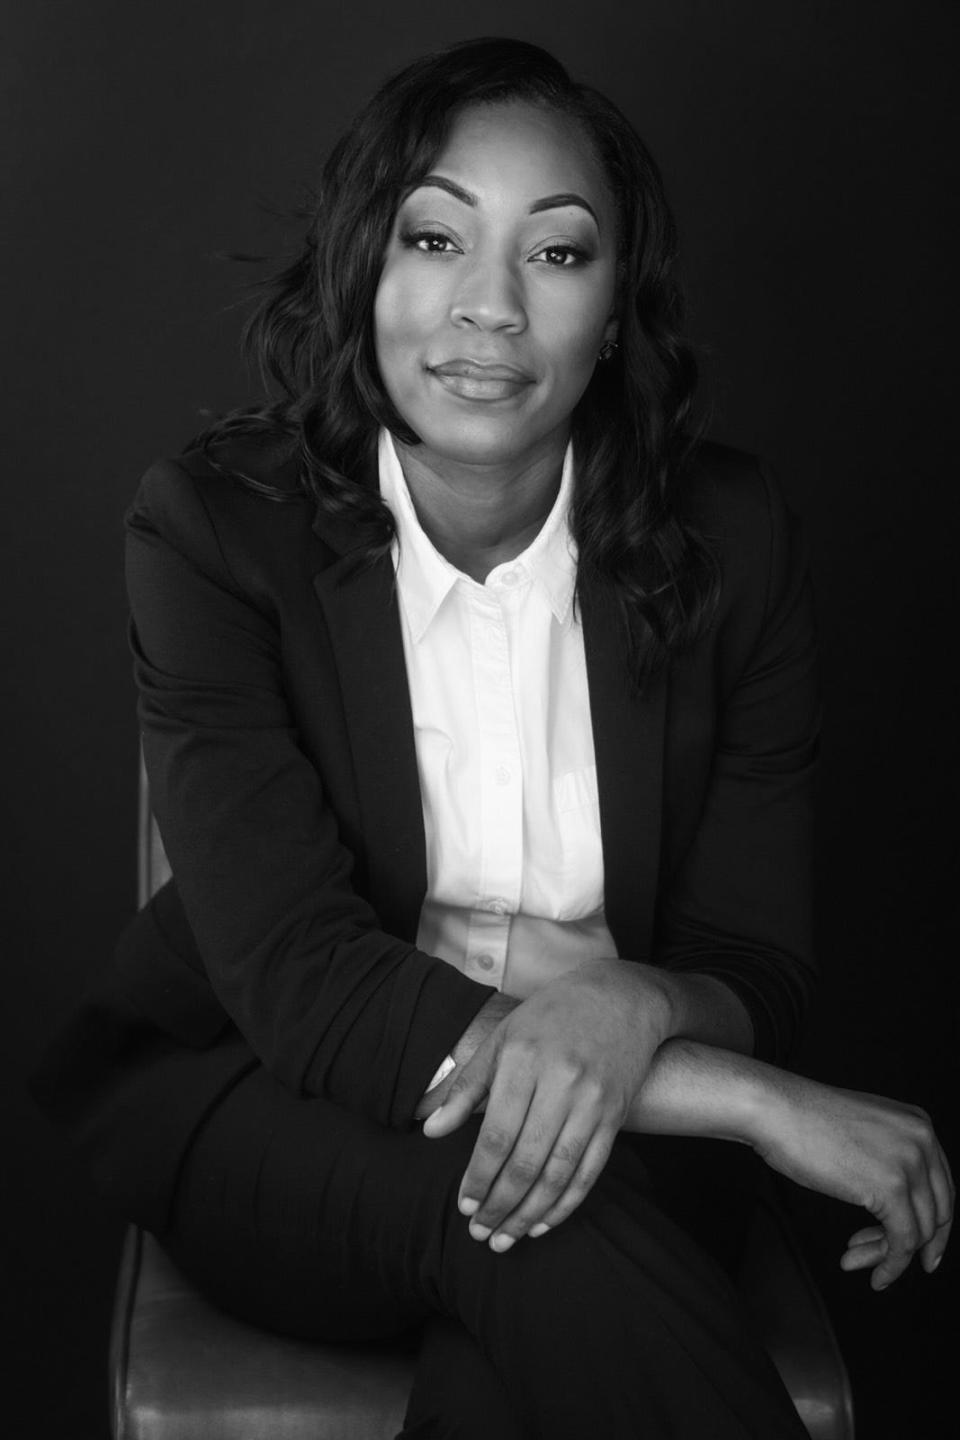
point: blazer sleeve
(327, 1001)
(741, 906)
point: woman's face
(497, 288)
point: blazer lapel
(363, 620)
(628, 734)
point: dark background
(807, 148)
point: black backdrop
(807, 151)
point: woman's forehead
(516, 146)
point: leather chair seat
(183, 1370)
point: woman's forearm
(692, 1088)
(697, 1089)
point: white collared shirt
(501, 714)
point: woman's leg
(300, 1216)
(457, 1394)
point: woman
(479, 709)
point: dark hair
(312, 337)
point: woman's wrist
(486, 1020)
(781, 1098)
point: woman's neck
(479, 516)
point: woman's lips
(473, 380)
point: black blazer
(279, 745)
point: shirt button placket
(501, 809)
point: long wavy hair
(311, 337)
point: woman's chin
(485, 439)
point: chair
(182, 1370)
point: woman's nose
(489, 296)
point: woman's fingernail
(501, 1243)
(468, 1206)
(539, 1229)
(936, 1263)
(480, 1232)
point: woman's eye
(562, 257)
(428, 242)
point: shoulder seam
(216, 535)
(227, 577)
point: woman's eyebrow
(557, 202)
(549, 202)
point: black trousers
(304, 1218)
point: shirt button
(499, 907)
(485, 962)
(509, 578)
(503, 775)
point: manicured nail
(539, 1229)
(501, 1243)
(936, 1263)
(480, 1232)
(468, 1206)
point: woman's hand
(869, 1151)
(481, 1027)
(558, 1074)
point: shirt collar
(425, 577)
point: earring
(607, 349)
